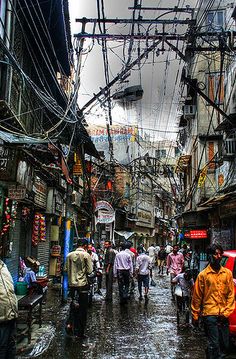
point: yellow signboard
(77, 168)
(202, 177)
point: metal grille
(13, 262)
(230, 146)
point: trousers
(217, 333)
(123, 284)
(80, 310)
(8, 339)
(109, 284)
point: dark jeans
(109, 284)
(143, 280)
(8, 339)
(123, 284)
(217, 332)
(80, 295)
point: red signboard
(196, 234)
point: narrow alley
(117, 156)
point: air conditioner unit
(230, 146)
(189, 110)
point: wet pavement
(137, 330)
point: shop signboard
(16, 192)
(196, 234)
(62, 183)
(7, 163)
(40, 189)
(145, 215)
(78, 167)
(55, 202)
(20, 193)
(104, 212)
(24, 175)
(58, 202)
(76, 198)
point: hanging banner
(202, 177)
(104, 212)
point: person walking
(100, 254)
(161, 259)
(152, 253)
(143, 267)
(79, 266)
(97, 270)
(195, 262)
(128, 245)
(213, 300)
(123, 271)
(8, 314)
(174, 264)
(108, 266)
(186, 283)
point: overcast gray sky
(158, 74)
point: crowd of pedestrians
(199, 292)
(208, 295)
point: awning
(13, 138)
(124, 234)
(227, 124)
(198, 209)
(218, 199)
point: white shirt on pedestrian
(143, 264)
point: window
(160, 153)
(215, 20)
(127, 191)
(216, 88)
(177, 151)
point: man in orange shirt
(213, 299)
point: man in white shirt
(143, 266)
(123, 271)
(152, 253)
(128, 245)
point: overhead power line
(138, 21)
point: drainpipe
(65, 254)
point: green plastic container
(21, 288)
